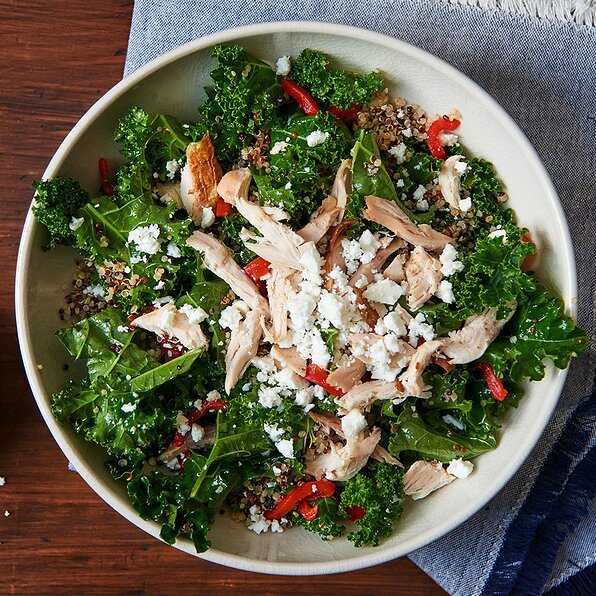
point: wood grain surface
(58, 57)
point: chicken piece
(479, 331)
(343, 462)
(279, 244)
(331, 422)
(388, 214)
(168, 321)
(366, 341)
(280, 292)
(395, 270)
(347, 374)
(218, 259)
(334, 256)
(342, 187)
(449, 182)
(368, 270)
(169, 192)
(289, 358)
(199, 179)
(424, 477)
(323, 218)
(411, 379)
(365, 394)
(208, 439)
(242, 347)
(423, 274)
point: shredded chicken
(423, 274)
(411, 379)
(388, 214)
(199, 178)
(242, 348)
(365, 394)
(168, 192)
(424, 477)
(368, 270)
(347, 374)
(218, 259)
(342, 462)
(279, 292)
(168, 321)
(289, 358)
(334, 256)
(323, 218)
(449, 182)
(395, 269)
(342, 187)
(478, 332)
(366, 341)
(208, 439)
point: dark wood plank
(58, 57)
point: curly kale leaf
(333, 86)
(538, 330)
(244, 100)
(56, 202)
(415, 435)
(326, 523)
(232, 224)
(492, 274)
(151, 140)
(377, 489)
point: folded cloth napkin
(537, 59)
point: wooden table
(58, 57)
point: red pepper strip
(215, 405)
(222, 208)
(318, 375)
(355, 512)
(348, 115)
(526, 238)
(316, 489)
(308, 511)
(494, 383)
(104, 172)
(257, 268)
(178, 440)
(435, 129)
(302, 96)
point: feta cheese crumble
(283, 66)
(418, 327)
(316, 137)
(445, 292)
(207, 217)
(499, 234)
(399, 152)
(465, 204)
(460, 468)
(146, 238)
(279, 147)
(96, 291)
(460, 167)
(449, 262)
(232, 315)
(195, 314)
(173, 250)
(353, 423)
(127, 408)
(76, 223)
(383, 290)
(172, 167)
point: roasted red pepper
(308, 511)
(348, 115)
(318, 375)
(309, 491)
(178, 440)
(434, 130)
(302, 96)
(104, 172)
(355, 512)
(214, 405)
(222, 208)
(257, 268)
(494, 383)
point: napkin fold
(539, 531)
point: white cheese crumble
(465, 204)
(449, 419)
(400, 183)
(399, 152)
(460, 167)
(197, 432)
(172, 167)
(76, 223)
(286, 448)
(2, 481)
(182, 423)
(232, 315)
(279, 147)
(316, 137)
(146, 238)
(499, 234)
(449, 262)
(422, 205)
(207, 217)
(419, 192)
(283, 66)
(173, 250)
(195, 314)
(128, 408)
(383, 290)
(353, 423)
(445, 292)
(96, 291)
(460, 468)
(406, 132)
(418, 327)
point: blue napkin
(539, 531)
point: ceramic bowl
(174, 84)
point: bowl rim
(21, 291)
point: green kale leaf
(326, 523)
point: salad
(300, 309)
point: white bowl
(174, 84)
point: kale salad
(300, 309)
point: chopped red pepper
(170, 349)
(215, 405)
(355, 512)
(434, 130)
(178, 440)
(348, 115)
(257, 269)
(318, 375)
(526, 238)
(222, 208)
(494, 383)
(311, 491)
(302, 96)
(104, 172)
(308, 511)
